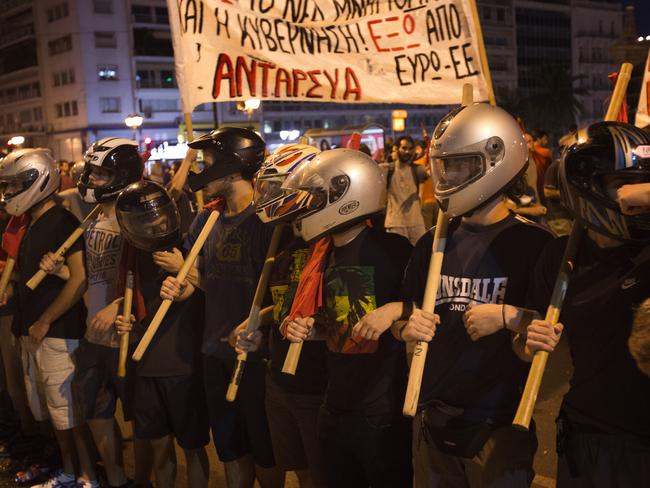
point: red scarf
(13, 234)
(309, 294)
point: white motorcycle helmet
(27, 177)
(476, 152)
(270, 203)
(335, 189)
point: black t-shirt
(43, 236)
(175, 347)
(364, 376)
(482, 265)
(311, 373)
(232, 260)
(605, 288)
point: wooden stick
(485, 67)
(182, 274)
(291, 360)
(254, 314)
(428, 304)
(533, 382)
(190, 138)
(126, 312)
(6, 274)
(40, 275)
(468, 94)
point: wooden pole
(6, 274)
(126, 312)
(429, 303)
(190, 137)
(533, 382)
(182, 274)
(40, 275)
(254, 314)
(485, 67)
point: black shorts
(238, 428)
(171, 405)
(96, 386)
(293, 421)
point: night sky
(642, 15)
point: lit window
(107, 72)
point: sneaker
(59, 480)
(32, 473)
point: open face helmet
(228, 150)
(110, 165)
(148, 216)
(611, 155)
(272, 204)
(27, 177)
(476, 153)
(335, 189)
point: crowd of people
(342, 297)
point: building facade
(72, 70)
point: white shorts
(48, 368)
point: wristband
(407, 311)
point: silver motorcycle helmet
(333, 190)
(476, 152)
(27, 177)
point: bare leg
(198, 467)
(164, 461)
(144, 460)
(66, 446)
(240, 473)
(86, 464)
(304, 478)
(270, 477)
(108, 446)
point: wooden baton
(182, 274)
(291, 360)
(40, 275)
(533, 382)
(428, 305)
(126, 312)
(6, 274)
(254, 314)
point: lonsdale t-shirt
(311, 376)
(364, 376)
(232, 259)
(491, 264)
(45, 235)
(607, 389)
(103, 252)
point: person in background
(70, 199)
(542, 157)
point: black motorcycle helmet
(110, 165)
(148, 216)
(612, 155)
(234, 150)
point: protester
(403, 210)
(476, 365)
(542, 157)
(50, 317)
(231, 262)
(364, 438)
(65, 180)
(292, 401)
(110, 166)
(169, 401)
(603, 426)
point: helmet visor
(606, 185)
(10, 186)
(96, 177)
(454, 172)
(268, 189)
(150, 228)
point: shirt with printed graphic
(607, 390)
(363, 376)
(103, 251)
(311, 373)
(231, 262)
(490, 264)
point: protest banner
(643, 111)
(348, 51)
